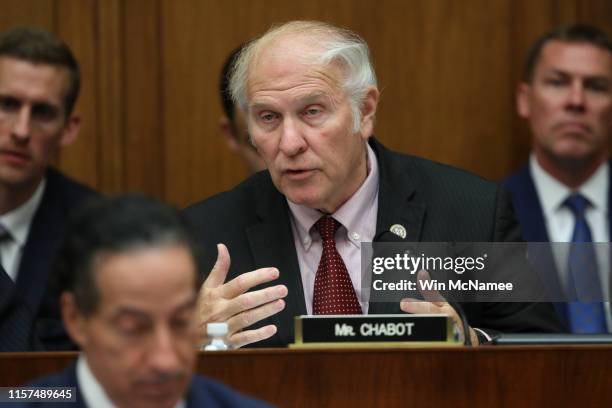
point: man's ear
(74, 321)
(227, 130)
(523, 100)
(368, 111)
(71, 130)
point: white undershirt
(18, 222)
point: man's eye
(312, 111)
(555, 81)
(44, 112)
(267, 117)
(9, 104)
(598, 86)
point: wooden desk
(535, 376)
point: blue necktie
(586, 314)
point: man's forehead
(580, 57)
(41, 77)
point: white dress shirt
(17, 222)
(560, 220)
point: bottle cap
(217, 329)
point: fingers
(251, 336)
(252, 300)
(217, 275)
(246, 281)
(416, 306)
(249, 317)
(430, 295)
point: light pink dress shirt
(358, 218)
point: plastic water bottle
(216, 336)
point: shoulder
(242, 194)
(518, 180)
(62, 189)
(66, 378)
(209, 393)
(239, 204)
(433, 180)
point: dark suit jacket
(434, 202)
(202, 392)
(531, 217)
(61, 196)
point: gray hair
(335, 45)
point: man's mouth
(14, 156)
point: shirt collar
(594, 189)
(93, 393)
(18, 221)
(350, 214)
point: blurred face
(301, 123)
(33, 125)
(140, 342)
(569, 103)
(237, 137)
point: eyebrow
(131, 311)
(306, 99)
(597, 77)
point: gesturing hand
(230, 302)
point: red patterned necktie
(333, 289)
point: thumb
(218, 273)
(425, 287)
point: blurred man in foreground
(128, 273)
(563, 195)
(310, 96)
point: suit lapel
(529, 209)
(397, 204)
(271, 243)
(40, 248)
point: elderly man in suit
(129, 278)
(563, 194)
(309, 93)
(39, 85)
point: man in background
(129, 278)
(232, 125)
(39, 86)
(563, 194)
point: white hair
(333, 45)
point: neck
(12, 197)
(359, 179)
(572, 173)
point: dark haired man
(563, 195)
(232, 124)
(39, 85)
(128, 269)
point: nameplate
(402, 330)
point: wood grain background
(447, 69)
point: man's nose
(576, 99)
(21, 129)
(292, 138)
(165, 353)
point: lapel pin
(398, 230)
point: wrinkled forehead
(289, 58)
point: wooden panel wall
(447, 69)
